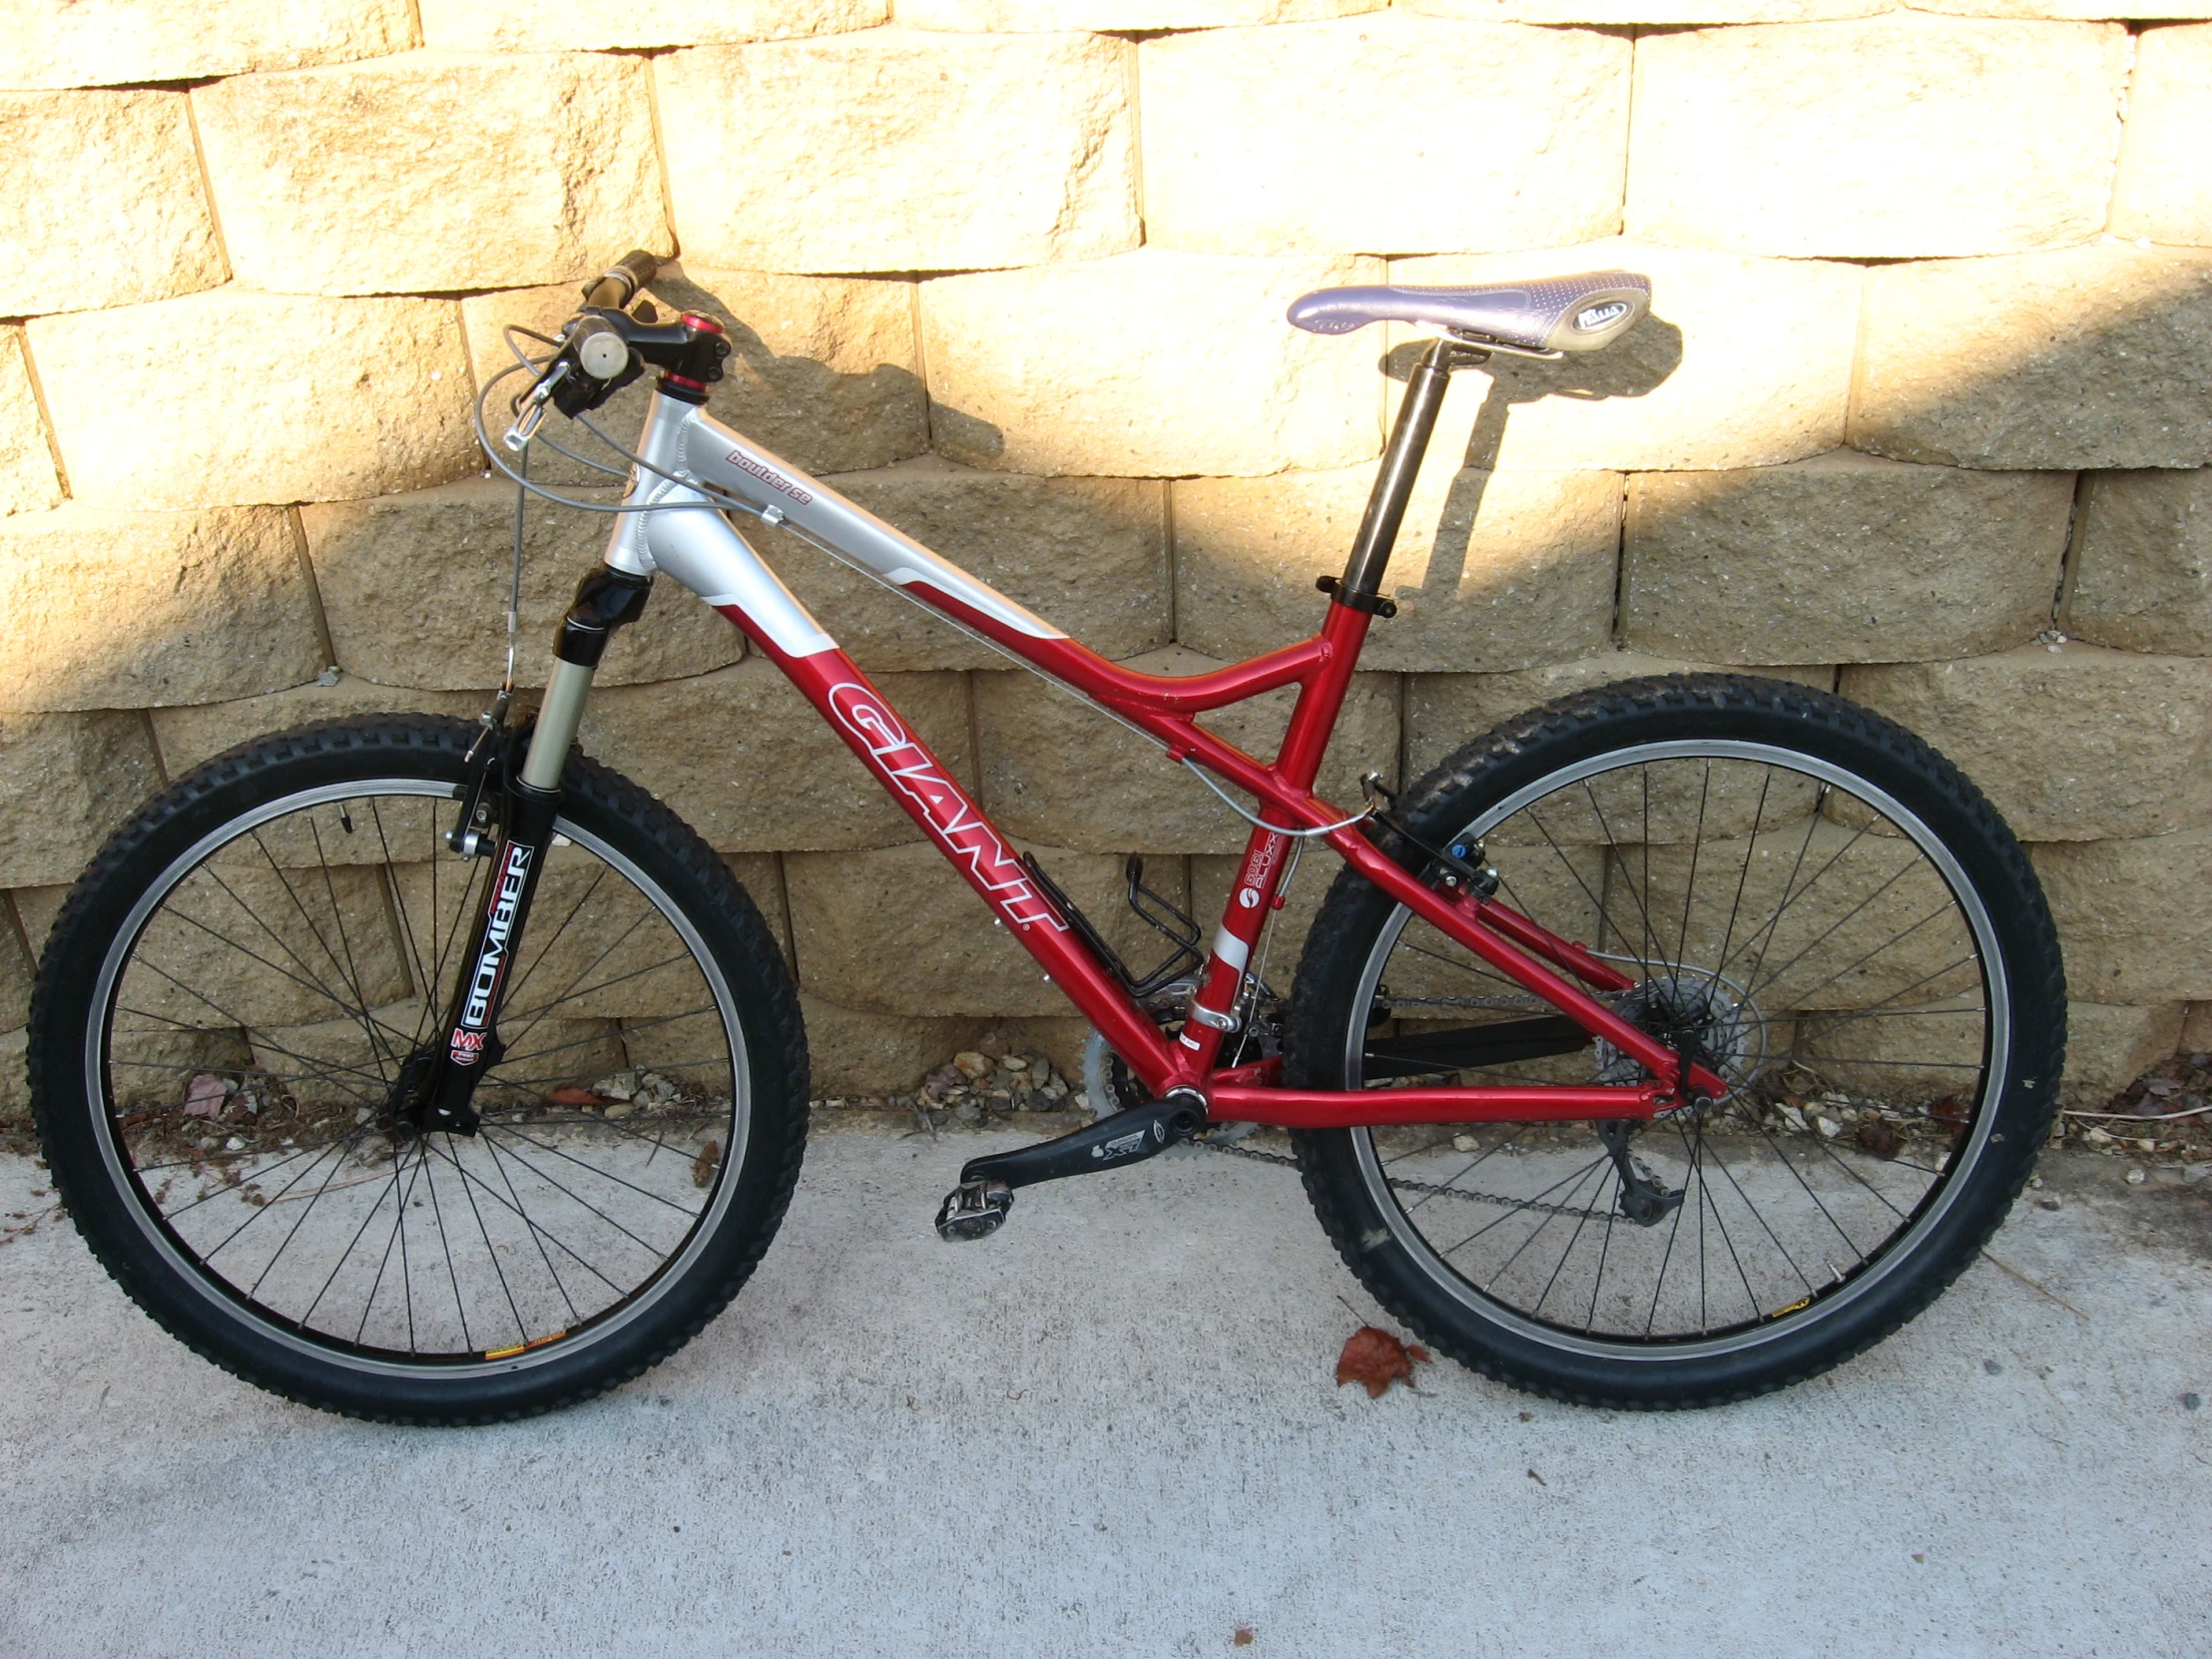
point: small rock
(2195, 1172)
(968, 1112)
(363, 1115)
(971, 1064)
(233, 1143)
(620, 1110)
(2046, 1204)
(1992, 1368)
(2146, 1146)
(2192, 1401)
(1013, 1062)
(2096, 1136)
(2037, 1181)
(2135, 1178)
(1793, 1117)
(1829, 1127)
(1464, 1143)
(1055, 1090)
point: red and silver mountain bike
(1662, 1046)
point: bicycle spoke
(584, 1204)
(547, 1146)
(1743, 876)
(537, 1229)
(522, 1328)
(398, 1219)
(437, 1216)
(515, 1203)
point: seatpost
(1362, 585)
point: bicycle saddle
(1555, 313)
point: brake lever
(517, 437)
(602, 351)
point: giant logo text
(949, 813)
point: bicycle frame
(692, 541)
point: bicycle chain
(1535, 1206)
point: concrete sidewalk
(1113, 1429)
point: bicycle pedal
(974, 1209)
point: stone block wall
(1924, 410)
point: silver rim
(534, 1286)
(1556, 1209)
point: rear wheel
(1809, 899)
(222, 1020)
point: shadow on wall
(856, 412)
(1636, 367)
(1644, 359)
(822, 370)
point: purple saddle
(1555, 314)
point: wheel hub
(1701, 1017)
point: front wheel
(225, 1018)
(1810, 901)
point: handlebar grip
(615, 285)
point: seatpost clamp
(1371, 603)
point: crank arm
(1124, 1138)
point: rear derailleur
(1642, 1197)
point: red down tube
(921, 783)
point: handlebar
(603, 348)
(620, 281)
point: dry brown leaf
(704, 1166)
(1877, 1137)
(204, 1095)
(1377, 1358)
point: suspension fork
(438, 1085)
